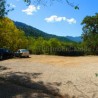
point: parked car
(5, 53)
(22, 53)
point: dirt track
(71, 75)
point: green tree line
(55, 47)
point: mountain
(31, 31)
(76, 39)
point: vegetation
(76, 7)
(90, 33)
(4, 8)
(13, 38)
(10, 36)
(31, 31)
(15, 35)
(55, 47)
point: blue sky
(58, 18)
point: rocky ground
(42, 76)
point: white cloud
(38, 7)
(12, 5)
(71, 21)
(31, 9)
(55, 18)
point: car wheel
(20, 56)
(1, 57)
(27, 56)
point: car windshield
(4, 50)
(1, 50)
(24, 50)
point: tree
(4, 8)
(40, 1)
(46, 47)
(38, 46)
(90, 32)
(10, 36)
(55, 45)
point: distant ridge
(31, 31)
(76, 39)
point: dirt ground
(74, 76)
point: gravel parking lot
(74, 76)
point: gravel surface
(74, 76)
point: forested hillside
(31, 31)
